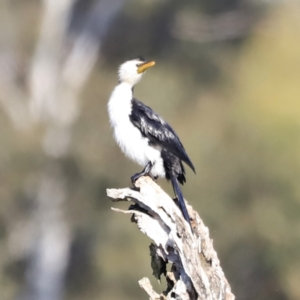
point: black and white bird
(143, 135)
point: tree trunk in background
(58, 69)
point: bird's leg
(146, 171)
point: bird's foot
(135, 177)
(175, 199)
(146, 171)
(154, 178)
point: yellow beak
(143, 67)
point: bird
(144, 136)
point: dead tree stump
(196, 272)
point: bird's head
(132, 70)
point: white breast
(128, 137)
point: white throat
(119, 104)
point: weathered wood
(196, 272)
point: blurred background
(226, 78)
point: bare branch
(146, 285)
(196, 272)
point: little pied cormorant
(143, 135)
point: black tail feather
(179, 196)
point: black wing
(157, 130)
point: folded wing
(158, 131)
